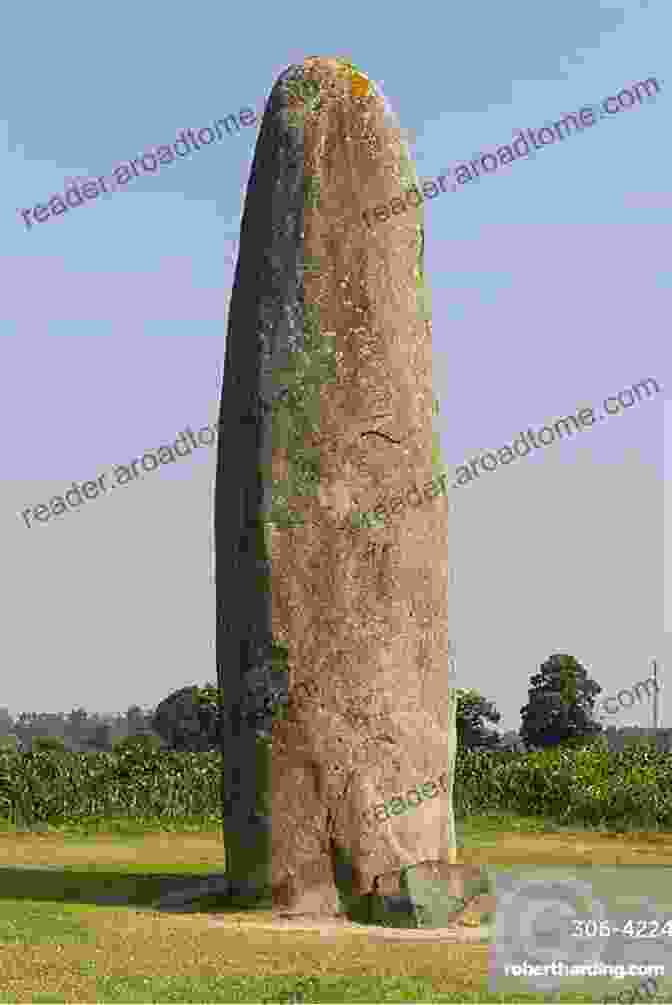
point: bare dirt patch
(336, 929)
(138, 940)
(263, 944)
(207, 850)
(176, 850)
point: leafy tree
(188, 719)
(560, 704)
(472, 710)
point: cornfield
(57, 788)
(587, 785)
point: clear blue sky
(551, 291)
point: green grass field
(76, 923)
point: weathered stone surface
(331, 639)
(431, 895)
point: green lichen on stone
(424, 297)
(296, 417)
(311, 192)
(279, 655)
(407, 173)
(280, 661)
(295, 118)
(438, 467)
(409, 180)
(312, 267)
(307, 91)
(363, 520)
(281, 515)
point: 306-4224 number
(589, 929)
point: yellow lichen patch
(360, 85)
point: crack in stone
(374, 432)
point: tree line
(76, 731)
(561, 700)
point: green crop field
(100, 837)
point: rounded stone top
(332, 70)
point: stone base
(310, 891)
(427, 895)
(431, 895)
(319, 901)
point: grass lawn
(82, 930)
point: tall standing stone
(332, 630)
